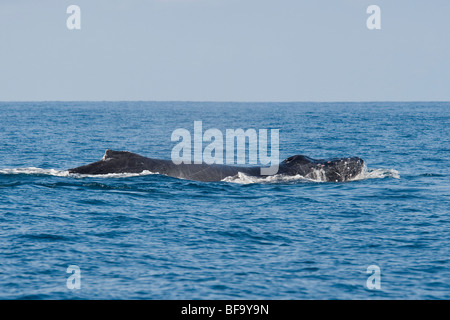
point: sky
(225, 50)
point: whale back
(342, 169)
(111, 154)
(116, 162)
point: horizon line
(232, 101)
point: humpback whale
(334, 170)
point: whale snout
(344, 169)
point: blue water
(157, 237)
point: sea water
(149, 236)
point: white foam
(113, 175)
(33, 170)
(242, 178)
(318, 175)
(380, 174)
(65, 173)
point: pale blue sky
(225, 50)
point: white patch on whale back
(105, 157)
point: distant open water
(150, 236)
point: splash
(36, 171)
(65, 173)
(317, 175)
(113, 175)
(242, 178)
(380, 174)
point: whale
(331, 170)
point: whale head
(343, 169)
(333, 170)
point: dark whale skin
(334, 170)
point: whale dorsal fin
(111, 154)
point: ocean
(150, 236)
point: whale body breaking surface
(333, 170)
